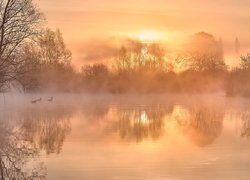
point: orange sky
(95, 21)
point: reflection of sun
(141, 118)
(144, 118)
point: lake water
(125, 137)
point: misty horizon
(84, 22)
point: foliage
(47, 62)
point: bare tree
(137, 56)
(19, 21)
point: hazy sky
(95, 21)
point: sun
(149, 36)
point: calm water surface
(156, 138)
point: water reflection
(141, 123)
(202, 124)
(102, 137)
(24, 134)
(15, 151)
(47, 127)
(245, 129)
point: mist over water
(125, 137)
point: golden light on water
(144, 118)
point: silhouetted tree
(52, 49)
(245, 62)
(206, 53)
(238, 80)
(137, 56)
(19, 21)
(141, 67)
(95, 77)
(94, 71)
(47, 62)
(32, 67)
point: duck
(50, 99)
(39, 100)
(36, 100)
(33, 101)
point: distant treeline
(35, 59)
(137, 68)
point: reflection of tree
(15, 152)
(245, 130)
(49, 127)
(141, 123)
(203, 125)
(24, 134)
(244, 117)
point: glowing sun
(149, 36)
